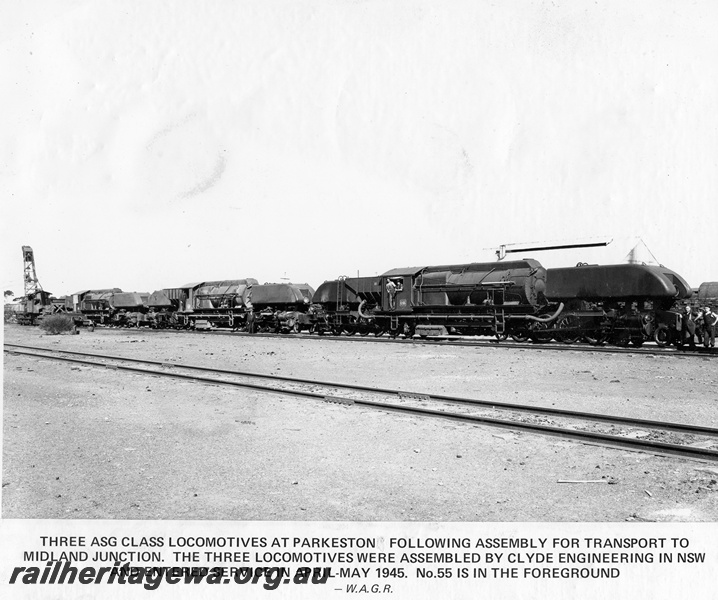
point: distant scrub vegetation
(56, 324)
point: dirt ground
(88, 443)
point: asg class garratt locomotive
(622, 304)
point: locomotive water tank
(624, 282)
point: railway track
(470, 343)
(674, 439)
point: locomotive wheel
(570, 337)
(291, 326)
(621, 341)
(379, 332)
(595, 338)
(662, 335)
(394, 333)
(520, 336)
(637, 342)
(351, 326)
(502, 336)
(539, 335)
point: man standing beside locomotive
(391, 293)
(707, 321)
(249, 309)
(689, 328)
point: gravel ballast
(89, 443)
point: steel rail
(605, 439)
(677, 427)
(485, 343)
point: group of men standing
(704, 324)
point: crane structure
(32, 283)
(35, 300)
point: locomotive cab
(396, 292)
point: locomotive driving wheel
(595, 337)
(662, 335)
(539, 334)
(395, 332)
(571, 323)
(291, 326)
(352, 326)
(364, 327)
(520, 336)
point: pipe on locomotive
(361, 312)
(548, 319)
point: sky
(150, 144)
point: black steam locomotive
(237, 304)
(621, 304)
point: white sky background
(149, 144)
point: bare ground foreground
(89, 443)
